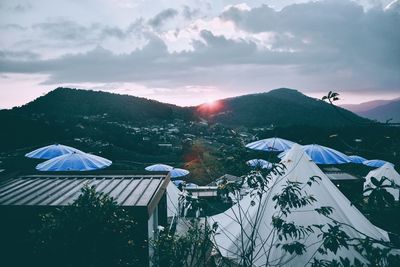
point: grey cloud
(19, 7)
(393, 6)
(334, 45)
(67, 31)
(160, 18)
(190, 13)
(339, 30)
(22, 7)
(18, 55)
(13, 26)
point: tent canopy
(376, 163)
(236, 224)
(173, 203)
(387, 171)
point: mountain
(66, 103)
(66, 114)
(381, 110)
(383, 113)
(280, 107)
(70, 114)
(365, 106)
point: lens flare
(211, 107)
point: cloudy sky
(193, 51)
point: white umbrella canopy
(177, 172)
(76, 161)
(159, 168)
(274, 144)
(51, 151)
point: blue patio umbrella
(269, 165)
(178, 182)
(256, 162)
(376, 163)
(76, 161)
(357, 159)
(323, 155)
(176, 172)
(191, 185)
(159, 168)
(51, 151)
(271, 144)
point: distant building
(166, 145)
(24, 197)
(173, 130)
(203, 191)
(350, 185)
(225, 178)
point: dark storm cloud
(163, 16)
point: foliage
(92, 231)
(186, 250)
(332, 236)
(378, 197)
(331, 97)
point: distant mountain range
(67, 113)
(380, 110)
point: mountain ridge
(281, 107)
(380, 110)
(365, 106)
(66, 113)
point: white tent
(387, 171)
(233, 236)
(173, 194)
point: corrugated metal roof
(60, 190)
(341, 176)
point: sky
(190, 52)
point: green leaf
(375, 182)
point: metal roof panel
(61, 190)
